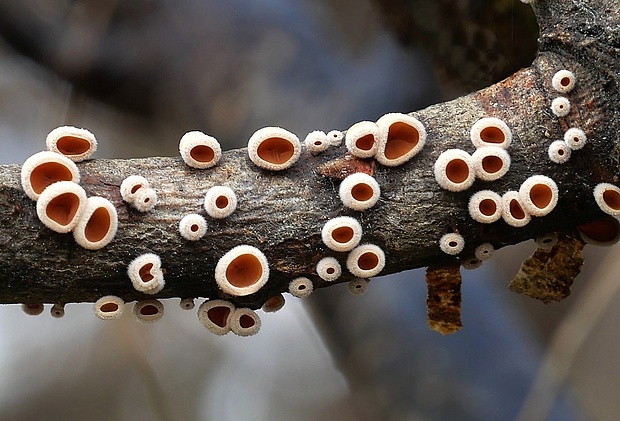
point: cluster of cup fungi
(52, 179)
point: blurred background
(141, 73)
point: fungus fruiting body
(146, 274)
(57, 311)
(484, 251)
(575, 138)
(187, 303)
(242, 271)
(490, 163)
(359, 191)
(471, 263)
(607, 197)
(559, 152)
(244, 322)
(329, 269)
(109, 307)
(274, 303)
(193, 227)
(97, 226)
(215, 315)
(300, 287)
(485, 207)
(401, 137)
(539, 195)
(342, 233)
(274, 148)
(199, 150)
(546, 241)
(74, 143)
(33, 309)
(358, 286)
(563, 81)
(148, 311)
(44, 169)
(513, 212)
(361, 139)
(61, 205)
(366, 261)
(490, 131)
(131, 185)
(560, 106)
(452, 243)
(145, 199)
(335, 137)
(316, 141)
(454, 170)
(603, 232)
(220, 202)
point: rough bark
(282, 213)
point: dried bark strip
(443, 300)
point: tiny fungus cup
(97, 225)
(44, 169)
(539, 195)
(471, 263)
(563, 81)
(145, 273)
(145, 199)
(220, 202)
(454, 170)
(401, 137)
(193, 227)
(490, 163)
(575, 138)
(244, 322)
(335, 137)
(131, 185)
(216, 316)
(33, 309)
(300, 287)
(274, 303)
(358, 286)
(607, 198)
(316, 142)
(513, 212)
(342, 233)
(485, 207)
(72, 142)
(559, 152)
(603, 232)
(452, 243)
(490, 131)
(187, 303)
(359, 191)
(199, 150)
(484, 251)
(560, 106)
(242, 271)
(328, 269)
(148, 311)
(57, 311)
(361, 139)
(274, 148)
(109, 307)
(366, 261)
(546, 241)
(61, 205)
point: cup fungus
(361, 139)
(454, 170)
(274, 148)
(148, 311)
(328, 269)
(131, 185)
(215, 315)
(45, 168)
(335, 137)
(300, 287)
(342, 233)
(61, 205)
(109, 307)
(72, 142)
(244, 322)
(199, 150)
(513, 212)
(193, 227)
(358, 286)
(452, 243)
(563, 81)
(145, 199)
(220, 202)
(484, 251)
(607, 198)
(546, 241)
(471, 263)
(490, 163)
(490, 131)
(97, 226)
(560, 106)
(316, 142)
(274, 303)
(33, 309)
(366, 261)
(603, 232)
(146, 274)
(485, 206)
(559, 152)
(539, 195)
(401, 137)
(57, 311)
(242, 271)
(575, 138)
(187, 303)
(359, 191)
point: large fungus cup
(97, 225)
(242, 271)
(148, 311)
(485, 206)
(401, 137)
(215, 315)
(342, 233)
(146, 274)
(74, 143)
(44, 169)
(539, 195)
(490, 131)
(109, 307)
(361, 139)
(245, 322)
(607, 198)
(490, 163)
(274, 148)
(61, 205)
(603, 232)
(513, 212)
(199, 150)
(359, 191)
(366, 261)
(454, 170)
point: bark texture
(282, 213)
